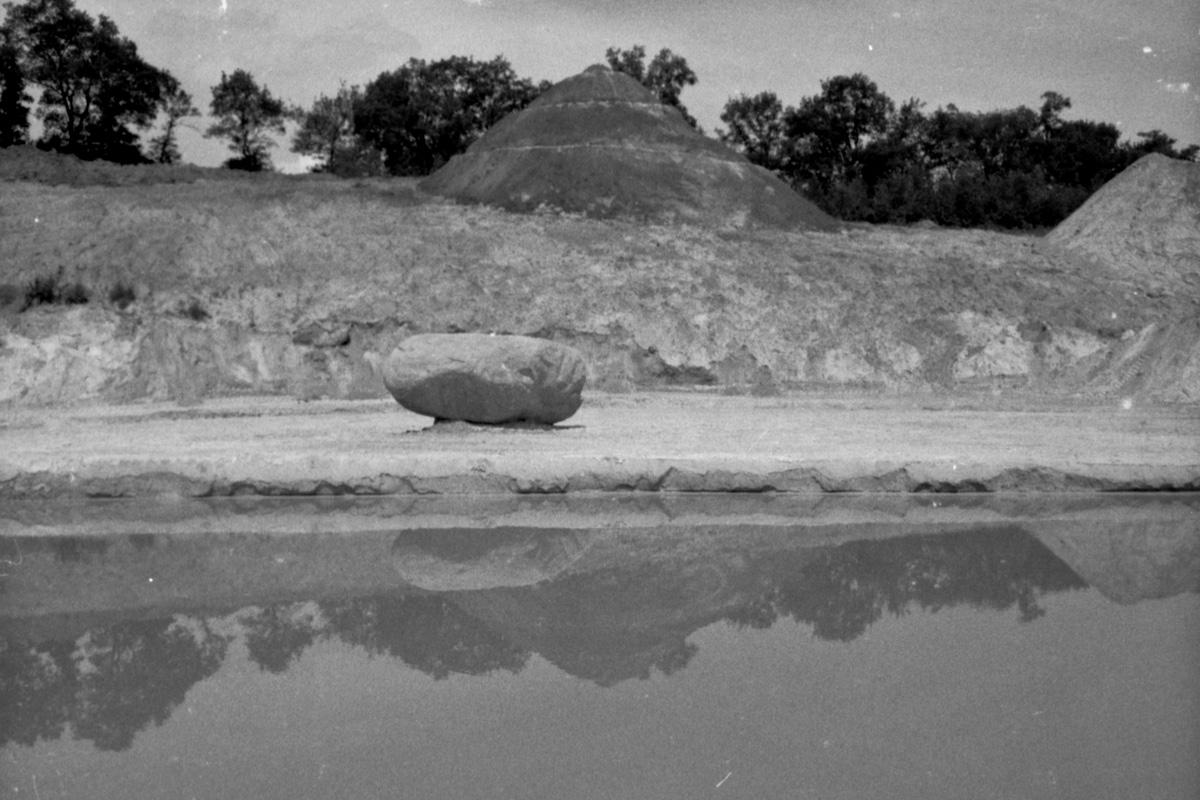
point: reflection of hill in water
(843, 590)
(612, 625)
(607, 622)
(1129, 563)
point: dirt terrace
(663, 442)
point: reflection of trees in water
(116, 680)
(275, 637)
(841, 591)
(609, 625)
(605, 626)
(426, 632)
(107, 686)
(136, 674)
(37, 690)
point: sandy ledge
(644, 442)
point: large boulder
(484, 378)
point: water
(725, 648)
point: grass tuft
(75, 294)
(47, 290)
(10, 294)
(43, 290)
(122, 295)
(194, 311)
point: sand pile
(1144, 223)
(32, 164)
(602, 144)
(1143, 228)
(300, 285)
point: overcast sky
(1135, 63)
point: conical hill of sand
(601, 144)
(1143, 229)
(1144, 223)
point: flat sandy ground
(665, 442)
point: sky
(1133, 63)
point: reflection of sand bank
(230, 555)
(610, 626)
(453, 560)
(606, 604)
(1130, 561)
(602, 604)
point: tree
(95, 86)
(424, 113)
(858, 156)
(14, 102)
(666, 75)
(246, 114)
(756, 128)
(176, 104)
(327, 132)
(1080, 153)
(1155, 141)
(1053, 104)
(833, 128)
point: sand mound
(34, 165)
(1144, 223)
(1142, 228)
(602, 144)
(302, 285)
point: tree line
(98, 96)
(850, 148)
(96, 90)
(860, 156)
(412, 120)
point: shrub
(43, 290)
(194, 311)
(10, 294)
(48, 290)
(122, 295)
(75, 294)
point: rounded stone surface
(483, 378)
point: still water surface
(1047, 657)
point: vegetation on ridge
(850, 148)
(246, 114)
(96, 88)
(861, 157)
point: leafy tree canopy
(176, 104)
(756, 128)
(14, 101)
(95, 86)
(836, 125)
(246, 114)
(328, 133)
(666, 74)
(1155, 141)
(423, 113)
(859, 156)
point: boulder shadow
(459, 426)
